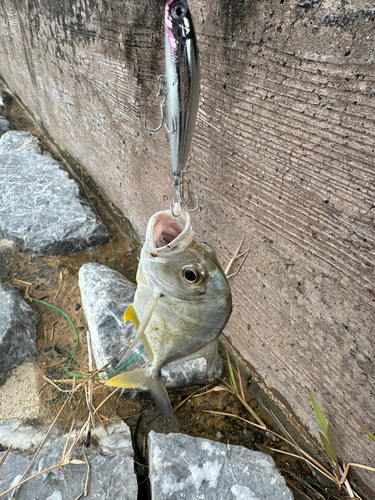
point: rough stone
(20, 140)
(22, 437)
(3, 259)
(5, 126)
(194, 468)
(106, 294)
(110, 458)
(18, 328)
(7, 249)
(5, 99)
(40, 207)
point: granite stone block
(40, 206)
(18, 329)
(185, 467)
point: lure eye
(178, 11)
(192, 275)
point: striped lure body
(182, 71)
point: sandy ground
(19, 395)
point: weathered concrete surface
(187, 467)
(106, 295)
(40, 207)
(110, 458)
(18, 328)
(283, 153)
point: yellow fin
(136, 277)
(131, 315)
(131, 380)
(143, 377)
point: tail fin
(160, 396)
(141, 378)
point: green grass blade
(370, 435)
(226, 384)
(232, 377)
(327, 447)
(319, 414)
(332, 439)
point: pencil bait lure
(179, 89)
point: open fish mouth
(165, 231)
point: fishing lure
(179, 88)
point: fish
(182, 73)
(182, 303)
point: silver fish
(182, 71)
(181, 305)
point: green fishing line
(76, 344)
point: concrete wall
(283, 153)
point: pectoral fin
(209, 352)
(149, 309)
(147, 347)
(131, 315)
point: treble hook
(177, 186)
(161, 96)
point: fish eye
(192, 275)
(178, 11)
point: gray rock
(5, 99)
(20, 140)
(40, 207)
(195, 468)
(24, 437)
(5, 126)
(18, 328)
(106, 294)
(48, 153)
(3, 259)
(191, 372)
(111, 468)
